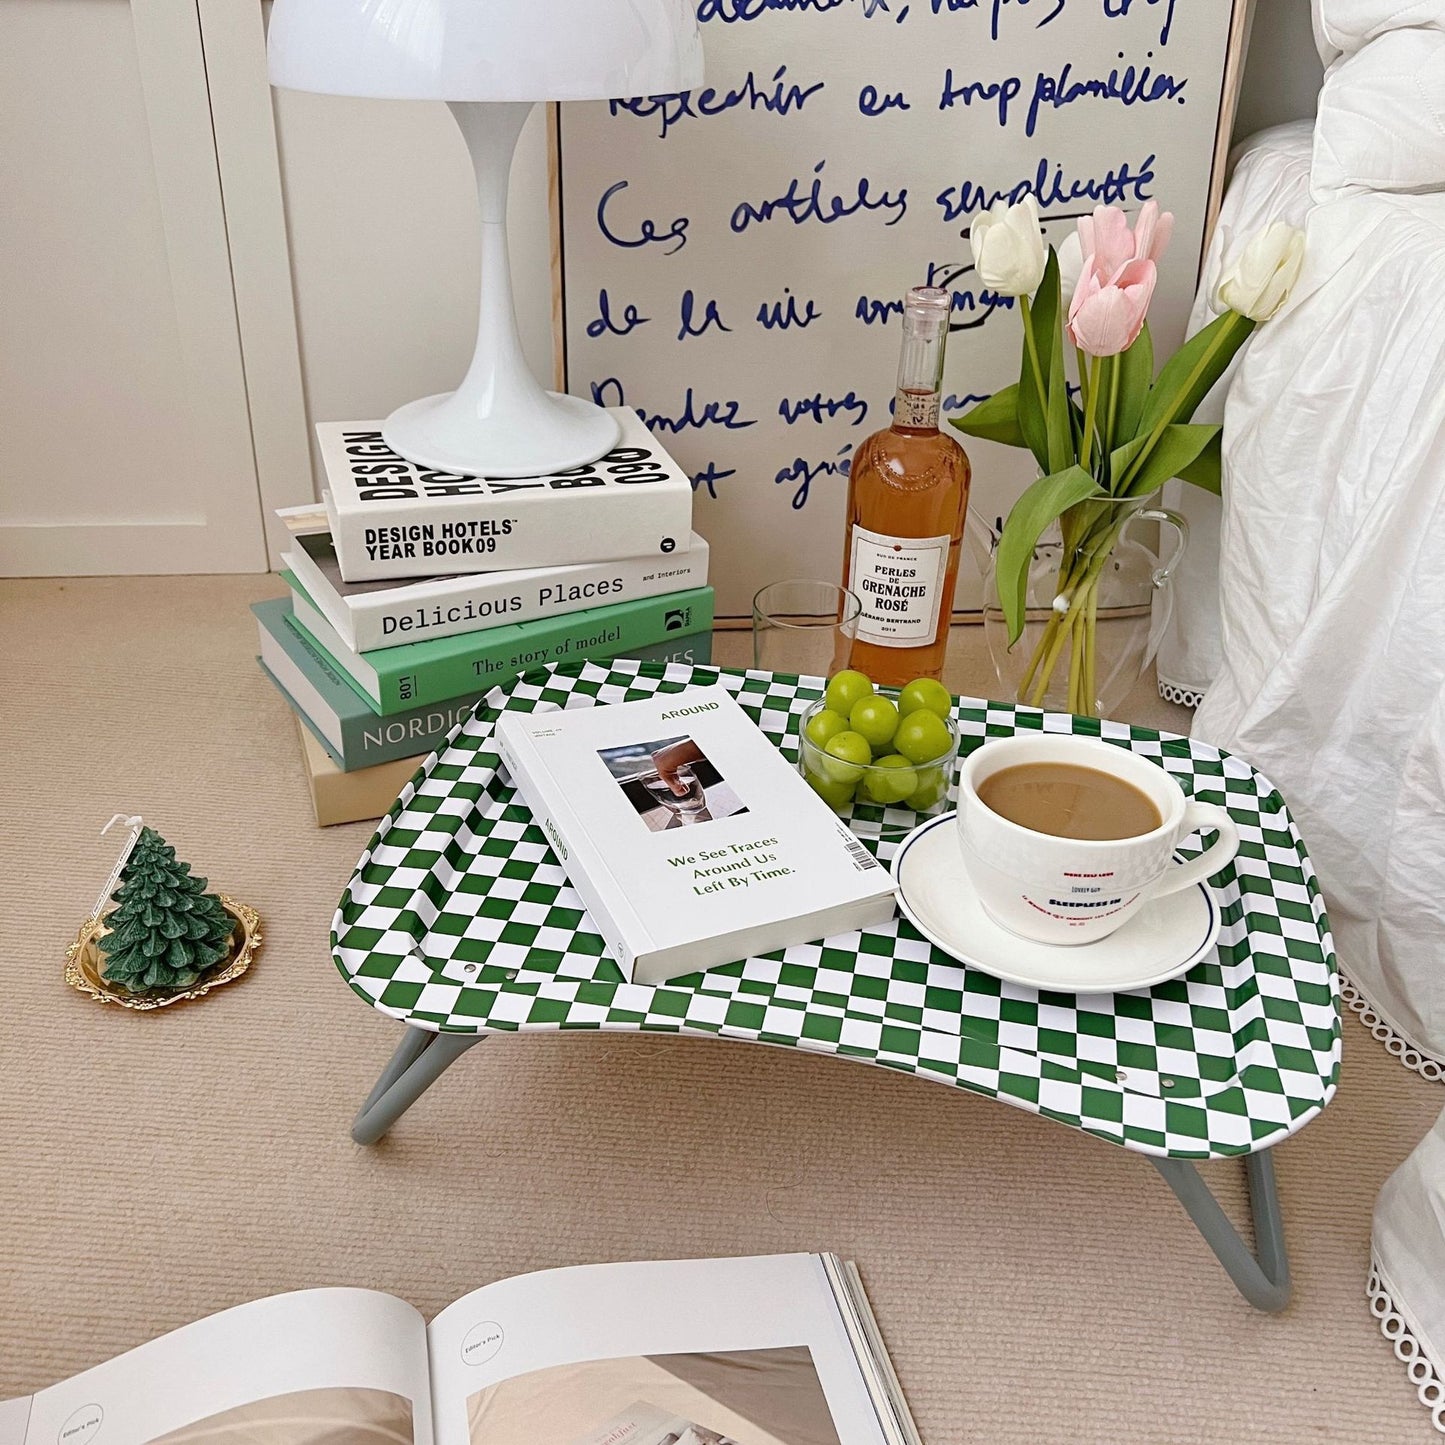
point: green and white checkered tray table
(460, 922)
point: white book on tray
(368, 615)
(690, 838)
(393, 518)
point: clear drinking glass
(691, 807)
(805, 626)
(920, 788)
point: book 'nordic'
(329, 704)
(369, 615)
(393, 518)
(690, 838)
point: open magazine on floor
(776, 1350)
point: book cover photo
(690, 838)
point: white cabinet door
(125, 441)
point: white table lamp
(491, 61)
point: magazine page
(14, 1415)
(320, 1367)
(684, 1352)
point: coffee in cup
(1065, 838)
(1066, 800)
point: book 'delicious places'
(371, 615)
(690, 838)
(393, 518)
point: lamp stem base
(553, 433)
(499, 422)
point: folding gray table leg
(1261, 1276)
(421, 1058)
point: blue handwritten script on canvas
(735, 257)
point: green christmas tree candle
(165, 930)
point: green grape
(823, 725)
(932, 789)
(923, 736)
(876, 719)
(845, 757)
(890, 780)
(844, 689)
(837, 796)
(925, 694)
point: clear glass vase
(1092, 624)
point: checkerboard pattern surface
(459, 917)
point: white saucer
(1164, 939)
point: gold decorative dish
(83, 960)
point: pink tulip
(1106, 239)
(1152, 232)
(1117, 282)
(1105, 317)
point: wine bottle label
(916, 408)
(900, 583)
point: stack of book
(380, 656)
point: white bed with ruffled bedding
(1327, 665)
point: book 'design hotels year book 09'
(690, 838)
(392, 518)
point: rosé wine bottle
(907, 499)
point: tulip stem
(1031, 346)
(1112, 417)
(1077, 627)
(1076, 661)
(1091, 405)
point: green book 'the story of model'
(419, 673)
(350, 729)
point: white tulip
(1008, 248)
(1071, 265)
(1257, 282)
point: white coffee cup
(1078, 890)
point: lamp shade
(517, 50)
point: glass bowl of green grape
(862, 744)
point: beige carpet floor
(1034, 1285)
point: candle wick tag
(135, 823)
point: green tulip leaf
(1136, 373)
(1206, 469)
(995, 419)
(1033, 427)
(1060, 426)
(1178, 448)
(1042, 356)
(1044, 319)
(1033, 424)
(1189, 374)
(1041, 504)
